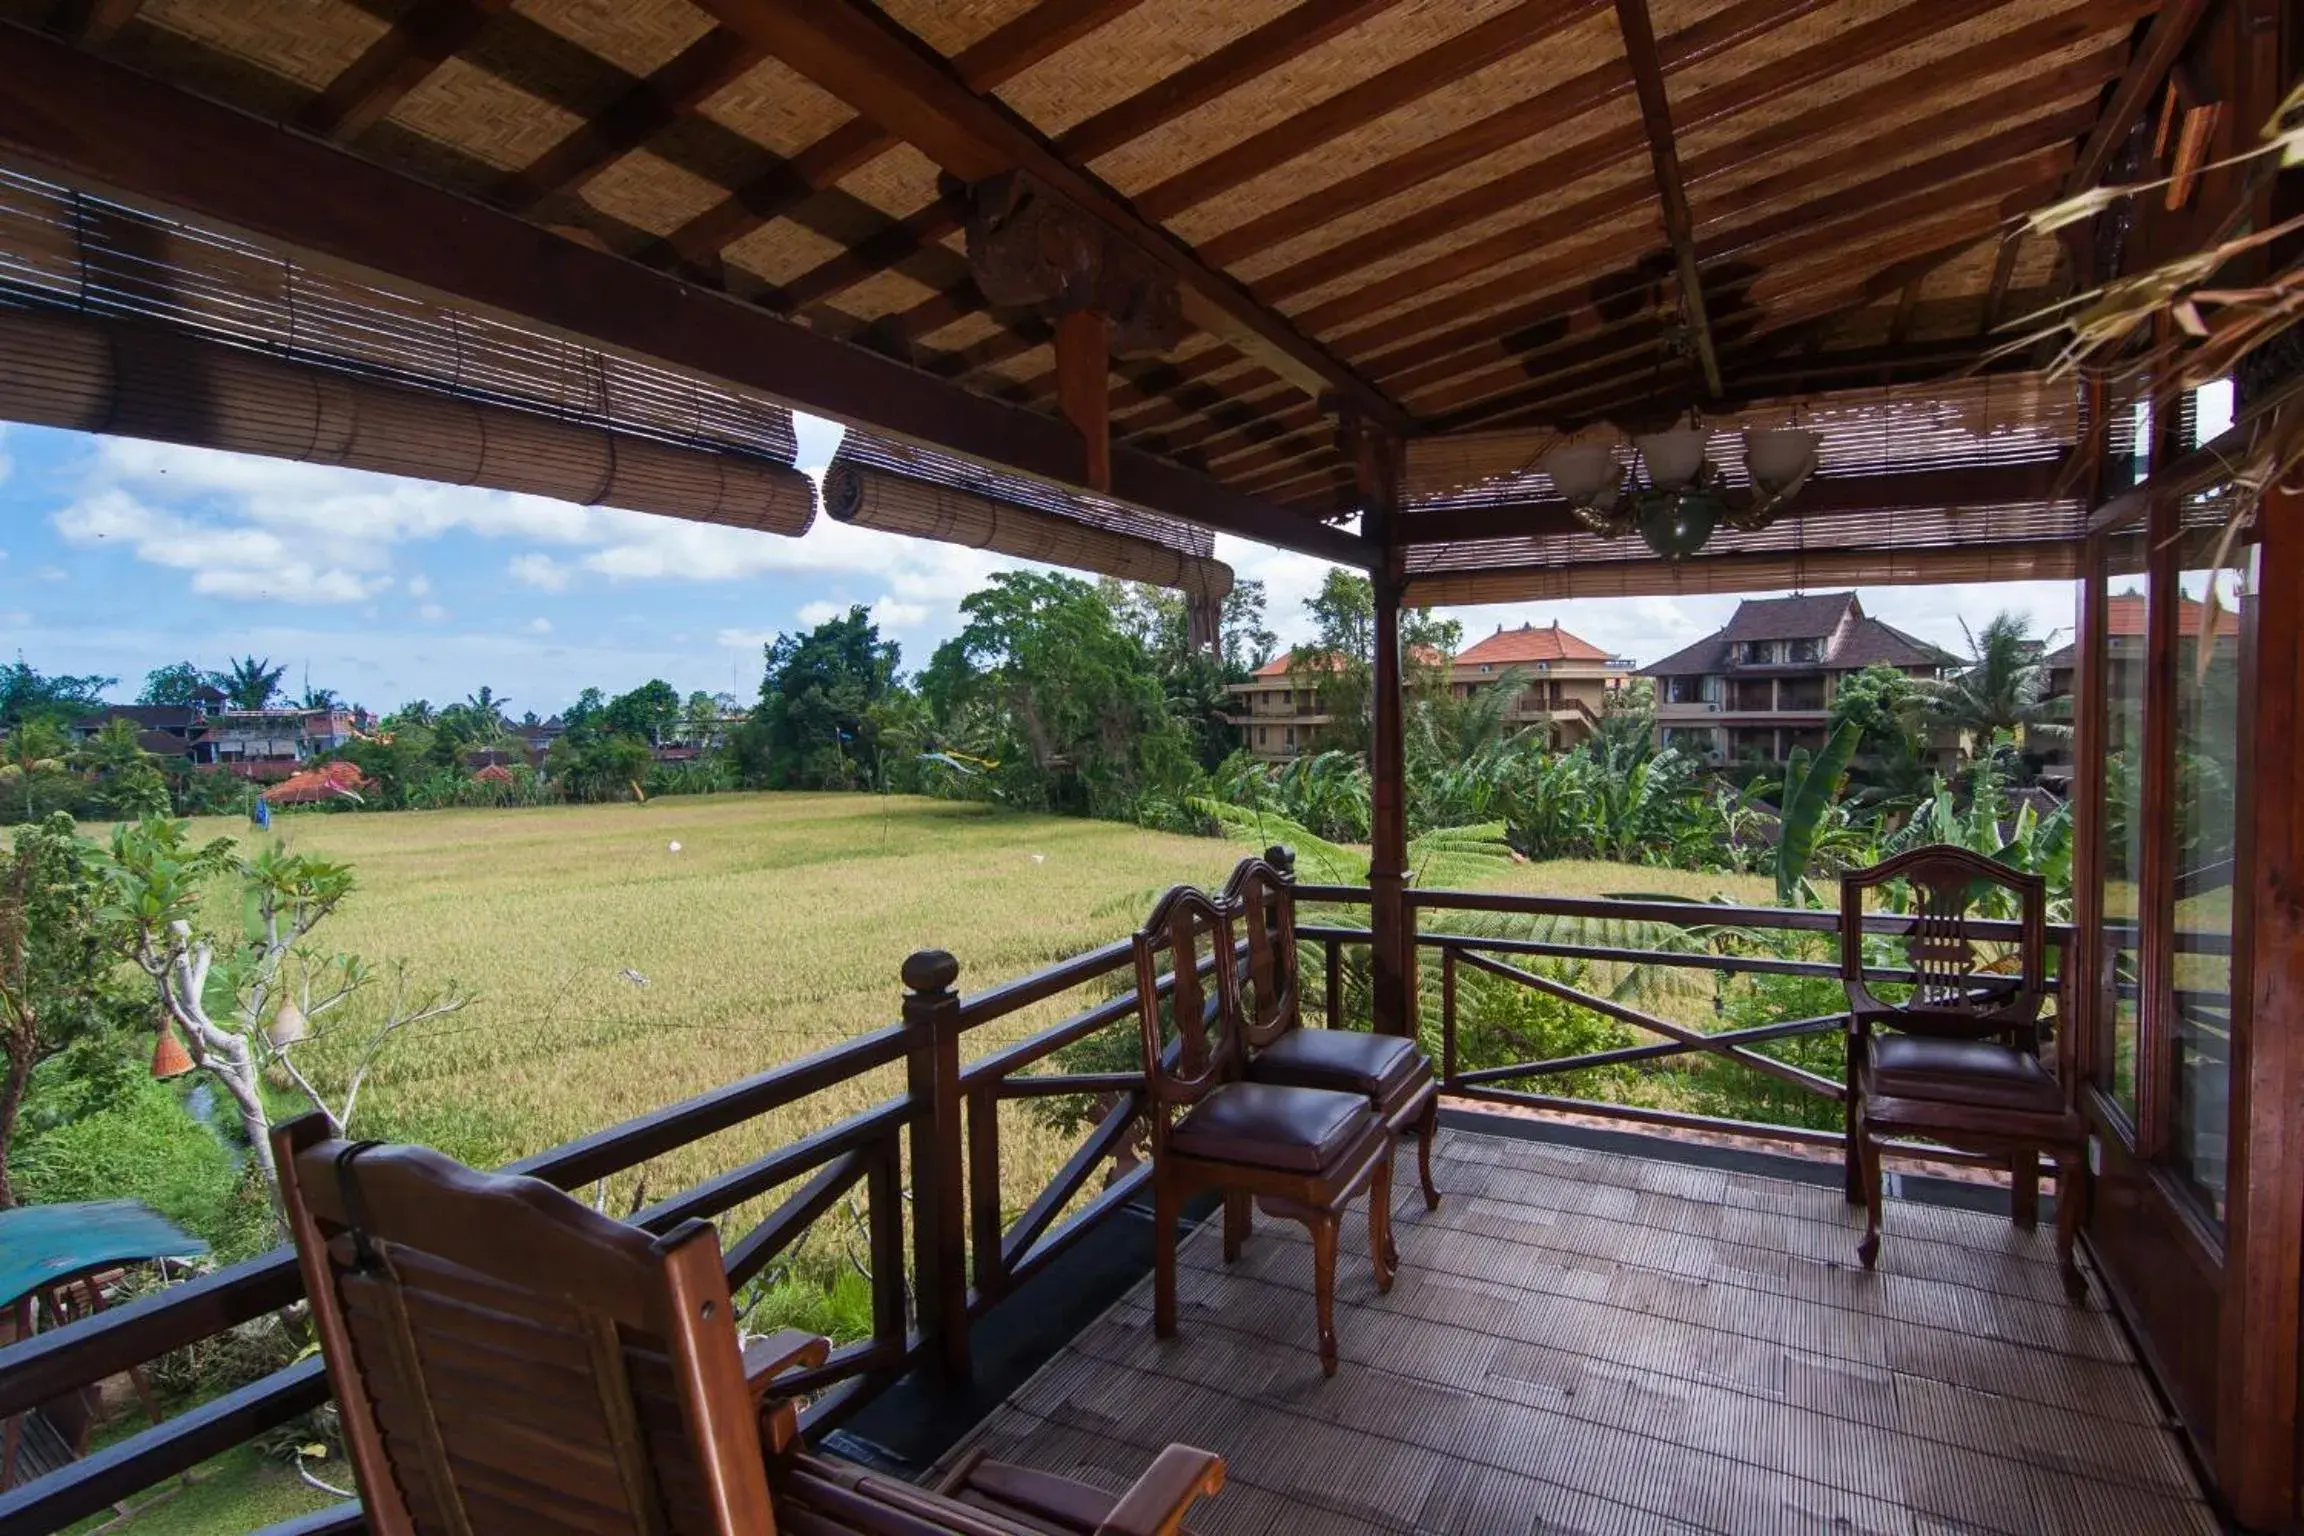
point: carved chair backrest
(1954, 987)
(1192, 934)
(1263, 892)
(506, 1358)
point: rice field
(627, 956)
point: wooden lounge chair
(1392, 1071)
(1957, 1060)
(1300, 1153)
(508, 1360)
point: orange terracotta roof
(2124, 614)
(1510, 647)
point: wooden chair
(1391, 1071)
(508, 1360)
(1958, 1059)
(1300, 1153)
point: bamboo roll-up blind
(1988, 421)
(899, 488)
(63, 370)
(62, 249)
(2025, 560)
(892, 503)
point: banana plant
(1812, 785)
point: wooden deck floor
(1586, 1342)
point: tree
(253, 1005)
(248, 683)
(33, 751)
(124, 780)
(1245, 641)
(59, 985)
(319, 698)
(818, 722)
(487, 706)
(1812, 786)
(1049, 686)
(26, 695)
(1339, 663)
(2003, 688)
(651, 712)
(179, 683)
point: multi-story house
(1560, 681)
(261, 743)
(1763, 685)
(176, 731)
(1279, 712)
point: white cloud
(432, 613)
(896, 614)
(813, 614)
(743, 639)
(239, 562)
(540, 571)
(419, 586)
(539, 626)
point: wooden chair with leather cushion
(507, 1360)
(1300, 1153)
(1956, 1058)
(1391, 1071)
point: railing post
(939, 1217)
(1447, 1017)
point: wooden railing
(1702, 929)
(951, 1251)
(945, 1125)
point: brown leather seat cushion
(1270, 1125)
(1960, 1072)
(1346, 1059)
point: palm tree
(32, 749)
(319, 698)
(2003, 688)
(249, 683)
(487, 705)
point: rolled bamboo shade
(896, 488)
(63, 370)
(2024, 560)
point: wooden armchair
(1391, 1071)
(1957, 1060)
(508, 1360)
(1300, 1153)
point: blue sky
(118, 556)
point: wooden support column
(1084, 389)
(1377, 460)
(2258, 1411)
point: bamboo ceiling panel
(1441, 209)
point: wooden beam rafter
(423, 39)
(1671, 196)
(860, 57)
(89, 122)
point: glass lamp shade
(1676, 526)
(1673, 458)
(1780, 458)
(1584, 473)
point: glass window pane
(2206, 689)
(2121, 855)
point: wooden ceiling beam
(1664, 154)
(2163, 42)
(1514, 124)
(1266, 48)
(1412, 79)
(677, 88)
(1606, 207)
(862, 58)
(424, 37)
(88, 122)
(999, 57)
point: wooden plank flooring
(1586, 1342)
